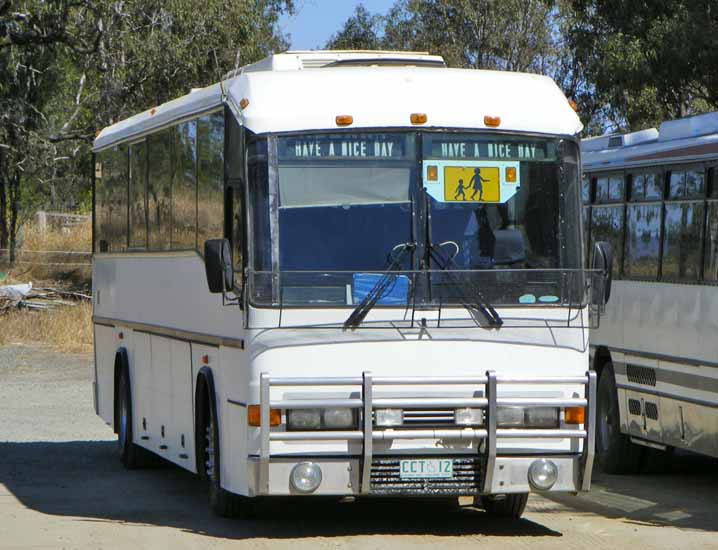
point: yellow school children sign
(471, 181)
(471, 184)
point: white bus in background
(654, 195)
(346, 273)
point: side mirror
(218, 265)
(603, 262)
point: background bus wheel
(615, 453)
(222, 502)
(132, 456)
(511, 506)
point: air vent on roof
(642, 136)
(693, 126)
(316, 62)
(615, 141)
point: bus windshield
(348, 202)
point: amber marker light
(574, 415)
(254, 417)
(492, 121)
(205, 359)
(344, 120)
(432, 173)
(510, 174)
(243, 103)
(573, 105)
(418, 118)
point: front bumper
(483, 473)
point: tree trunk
(14, 214)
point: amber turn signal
(243, 103)
(254, 417)
(344, 120)
(574, 415)
(418, 118)
(432, 173)
(492, 121)
(510, 174)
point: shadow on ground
(681, 493)
(84, 479)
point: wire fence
(49, 258)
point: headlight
(468, 417)
(304, 419)
(338, 418)
(389, 417)
(306, 477)
(527, 417)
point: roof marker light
(418, 118)
(492, 121)
(573, 105)
(243, 103)
(344, 120)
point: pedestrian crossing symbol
(472, 181)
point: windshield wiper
(481, 304)
(377, 291)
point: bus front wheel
(509, 506)
(615, 453)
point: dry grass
(67, 329)
(56, 267)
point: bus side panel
(141, 369)
(160, 421)
(105, 351)
(233, 385)
(180, 436)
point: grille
(427, 418)
(467, 480)
(651, 410)
(634, 407)
(641, 375)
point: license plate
(426, 469)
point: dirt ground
(62, 486)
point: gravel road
(62, 486)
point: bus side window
(111, 200)
(159, 190)
(184, 187)
(210, 178)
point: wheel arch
(601, 357)
(122, 362)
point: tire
(221, 502)
(615, 454)
(132, 456)
(511, 506)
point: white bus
(349, 274)
(654, 195)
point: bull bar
(489, 432)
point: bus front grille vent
(651, 410)
(641, 375)
(467, 478)
(416, 418)
(634, 407)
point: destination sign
(483, 149)
(380, 146)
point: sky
(316, 20)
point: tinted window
(615, 188)
(159, 189)
(585, 218)
(710, 272)
(686, 184)
(111, 212)
(653, 186)
(585, 189)
(643, 233)
(184, 187)
(638, 187)
(210, 150)
(682, 241)
(602, 189)
(607, 225)
(138, 195)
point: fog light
(468, 417)
(389, 417)
(543, 474)
(306, 477)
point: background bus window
(585, 189)
(607, 225)
(210, 178)
(684, 184)
(646, 187)
(111, 197)
(609, 188)
(643, 232)
(682, 241)
(159, 189)
(184, 187)
(138, 196)
(710, 268)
